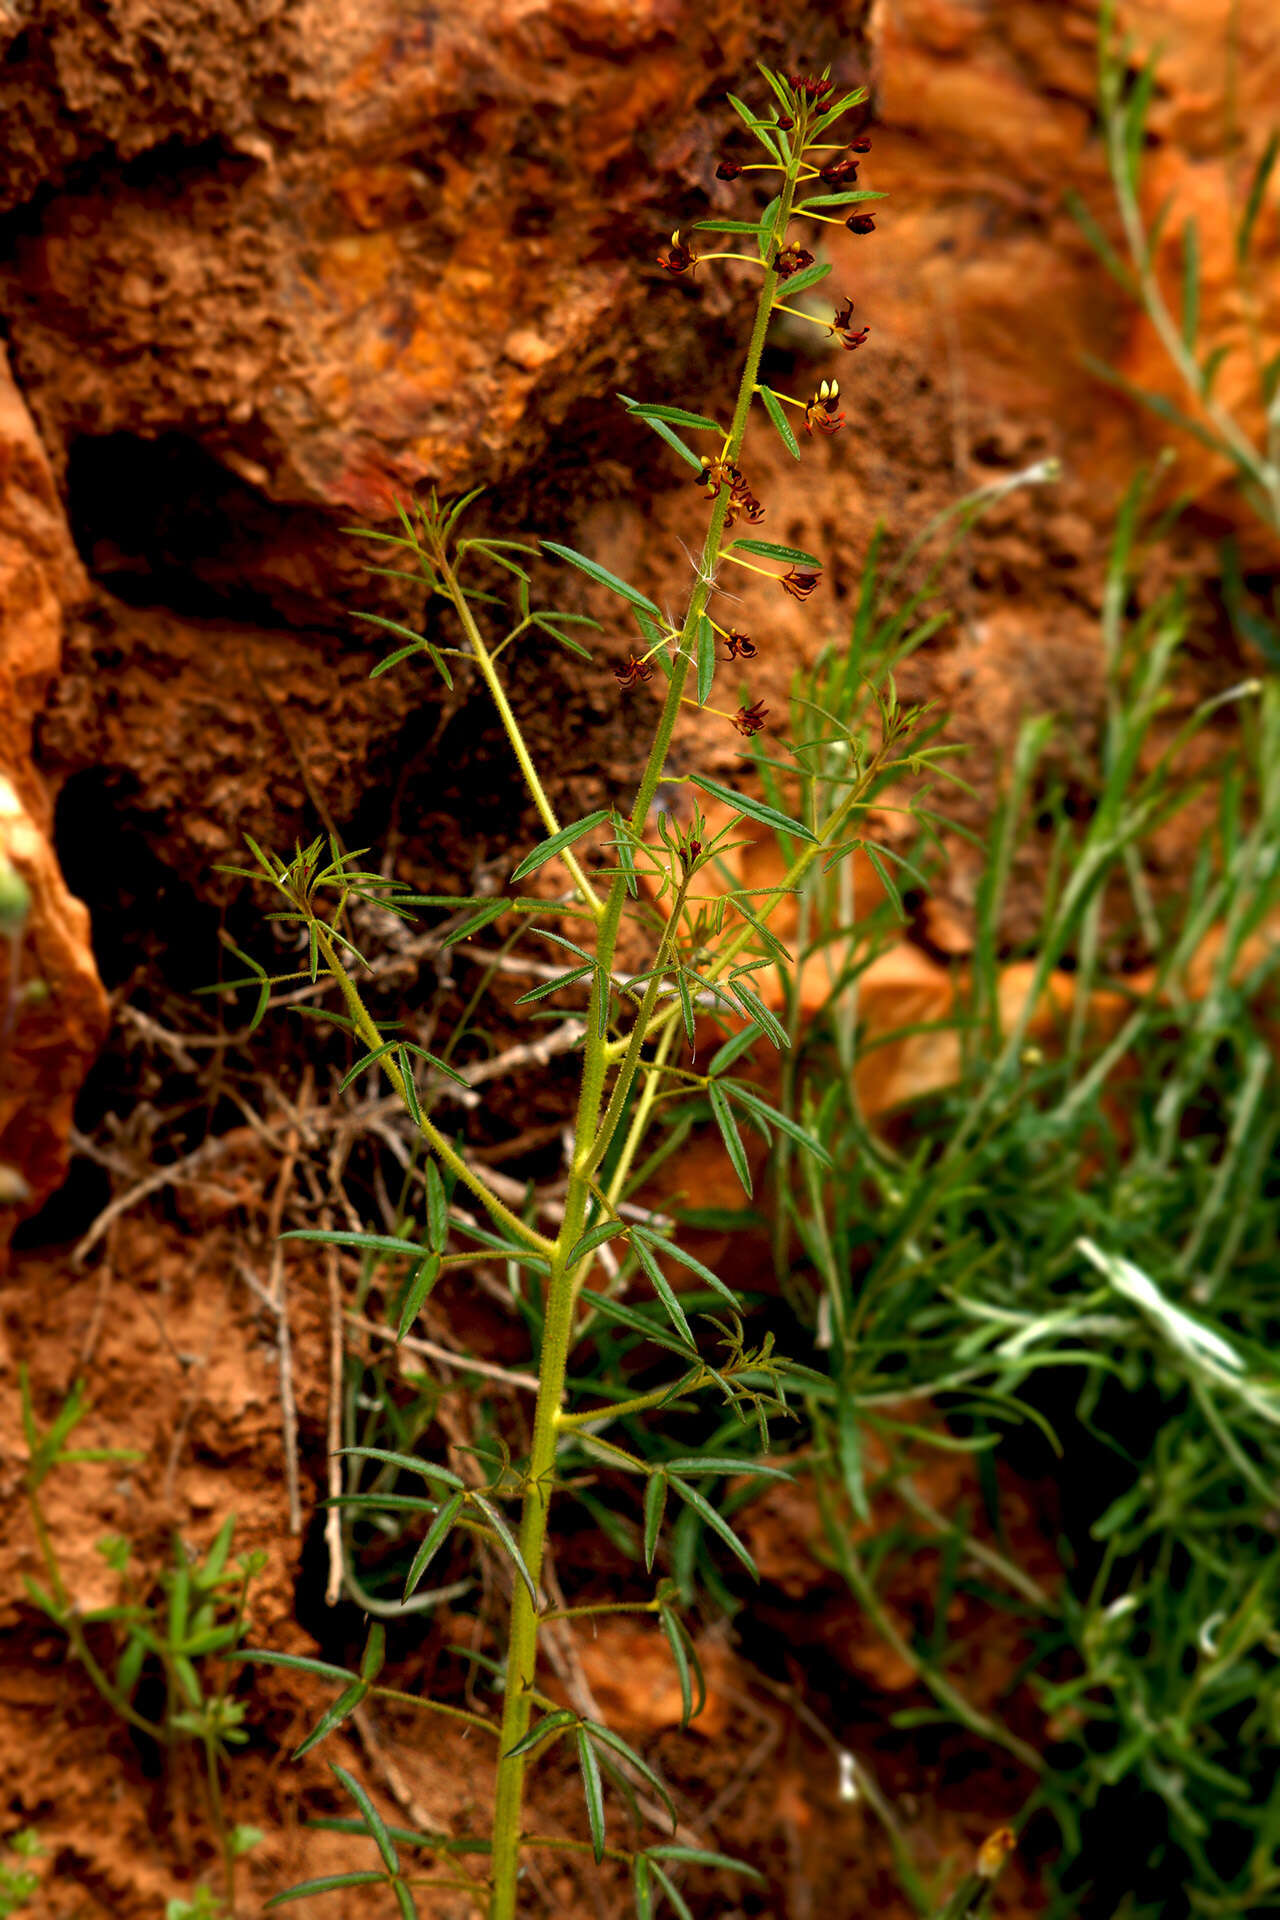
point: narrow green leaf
(1190, 285)
(603, 577)
(774, 408)
(887, 881)
(755, 1009)
(688, 1668)
(606, 1737)
(696, 1857)
(593, 1791)
(671, 1890)
(549, 987)
(545, 622)
(673, 440)
(725, 1463)
(300, 1662)
(644, 1324)
(770, 550)
(678, 416)
(549, 1725)
(706, 656)
(641, 1889)
(435, 1537)
(802, 281)
(404, 1900)
(420, 1287)
(753, 809)
(749, 1098)
(377, 1826)
(655, 1505)
(676, 1252)
(723, 1117)
(594, 1237)
(686, 1006)
(764, 229)
(505, 1535)
(343, 1707)
(548, 849)
(662, 1287)
(756, 126)
(331, 1883)
(716, 1521)
(1253, 200)
(408, 1461)
(366, 1242)
(437, 1209)
(840, 199)
(475, 922)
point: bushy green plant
(1077, 1239)
(703, 950)
(180, 1626)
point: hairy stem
(562, 1285)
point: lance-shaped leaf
(715, 1520)
(753, 809)
(723, 1117)
(643, 1324)
(655, 1505)
(663, 432)
(688, 1667)
(364, 1242)
(676, 1252)
(408, 1461)
(343, 1707)
(662, 1287)
(748, 1097)
(594, 1237)
(437, 1533)
(679, 416)
(330, 1883)
(771, 550)
(547, 1728)
(373, 1819)
(802, 281)
(841, 199)
(603, 577)
(606, 1737)
(724, 1463)
(593, 1790)
(706, 656)
(773, 407)
(754, 124)
(548, 849)
(507, 1538)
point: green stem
(370, 1033)
(562, 1285)
(75, 1632)
(511, 727)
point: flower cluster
(715, 474)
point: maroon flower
(842, 326)
(785, 122)
(790, 259)
(749, 720)
(634, 674)
(678, 258)
(728, 169)
(812, 84)
(860, 145)
(741, 646)
(798, 583)
(860, 223)
(823, 410)
(837, 173)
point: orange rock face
(265, 265)
(52, 1007)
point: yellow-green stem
(561, 1289)
(511, 727)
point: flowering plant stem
(590, 1145)
(629, 1047)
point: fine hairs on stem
(636, 1055)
